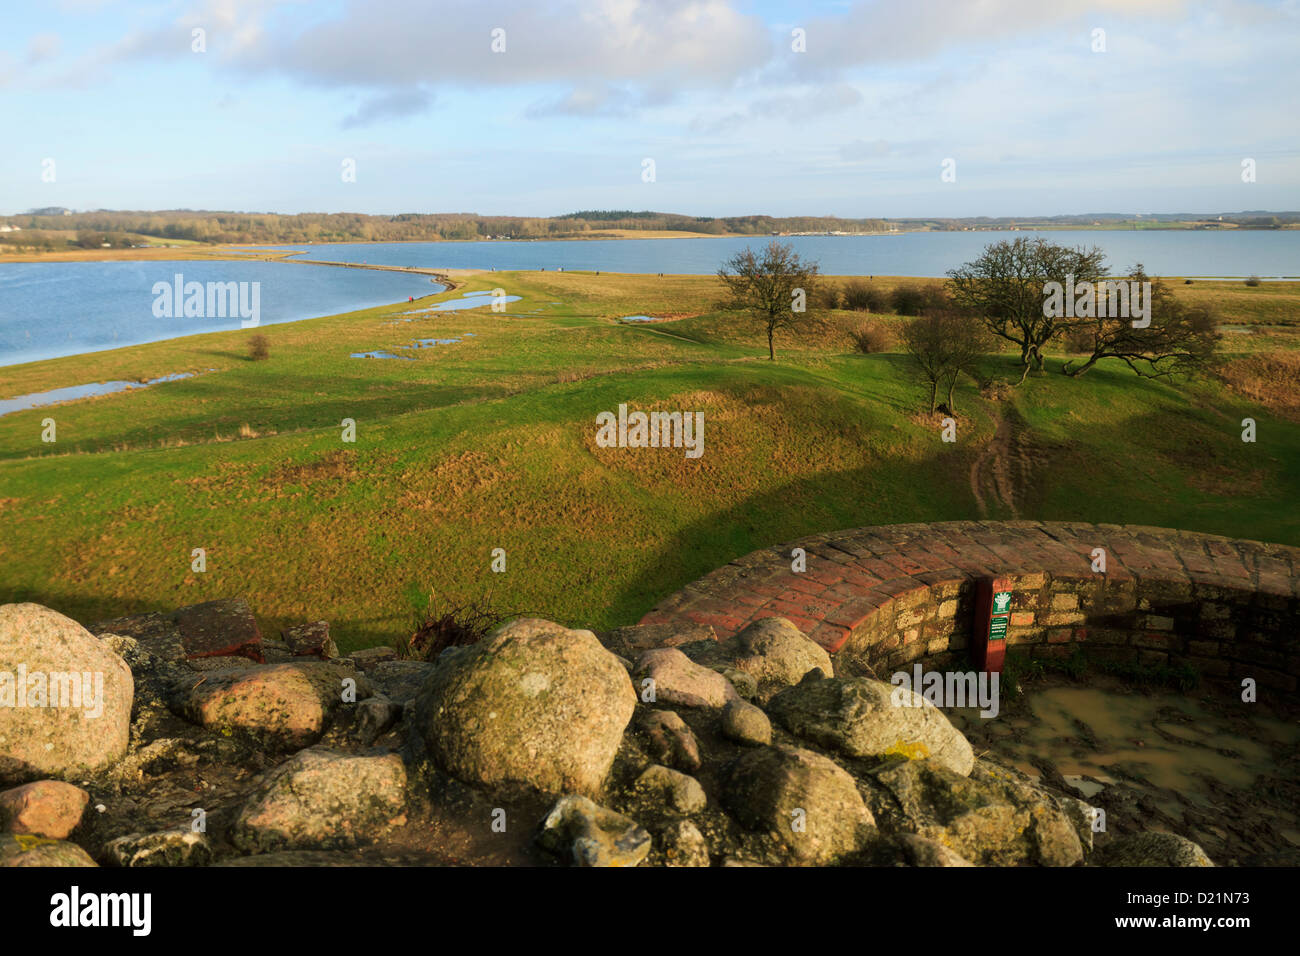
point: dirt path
(991, 474)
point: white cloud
(389, 106)
(42, 47)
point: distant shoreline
(272, 251)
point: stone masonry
(895, 594)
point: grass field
(490, 443)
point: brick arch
(895, 594)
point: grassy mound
(489, 442)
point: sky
(737, 107)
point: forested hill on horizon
(54, 228)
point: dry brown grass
(872, 336)
(334, 465)
(1270, 378)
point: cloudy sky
(1045, 106)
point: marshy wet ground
(1203, 764)
(468, 300)
(73, 392)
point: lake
(1162, 252)
(48, 309)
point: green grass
(490, 443)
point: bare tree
(1006, 287)
(1175, 338)
(776, 286)
(945, 344)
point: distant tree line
(256, 228)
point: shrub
(871, 337)
(908, 300)
(259, 348)
(863, 297)
(440, 626)
(826, 295)
(1252, 281)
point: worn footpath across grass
(489, 442)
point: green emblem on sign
(998, 621)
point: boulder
(592, 835)
(675, 790)
(923, 852)
(684, 845)
(1026, 789)
(219, 628)
(777, 654)
(374, 716)
(746, 684)
(65, 697)
(632, 642)
(994, 818)
(746, 724)
(672, 742)
(21, 849)
(181, 846)
(222, 628)
(47, 808)
(310, 640)
(806, 801)
(680, 682)
(1154, 848)
(859, 718)
(323, 800)
(154, 633)
(368, 657)
(535, 705)
(279, 705)
(399, 681)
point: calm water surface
(1162, 252)
(48, 309)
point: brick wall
(897, 594)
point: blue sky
(736, 121)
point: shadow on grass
(1172, 468)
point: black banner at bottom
(350, 905)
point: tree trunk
(952, 383)
(1075, 373)
(771, 352)
(934, 394)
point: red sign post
(992, 618)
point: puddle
(468, 300)
(426, 343)
(1236, 330)
(1167, 740)
(380, 354)
(1086, 786)
(637, 318)
(1185, 758)
(73, 392)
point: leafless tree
(777, 286)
